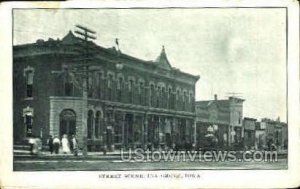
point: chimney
(216, 97)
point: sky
(232, 49)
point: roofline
(250, 118)
(122, 55)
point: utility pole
(86, 35)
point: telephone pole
(86, 35)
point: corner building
(127, 102)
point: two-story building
(69, 86)
(223, 117)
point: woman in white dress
(65, 145)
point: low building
(222, 118)
(272, 132)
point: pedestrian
(50, 144)
(65, 144)
(75, 145)
(56, 144)
(37, 146)
(31, 143)
(71, 143)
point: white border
(209, 178)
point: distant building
(224, 116)
(276, 133)
(249, 125)
(130, 102)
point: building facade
(113, 99)
(222, 118)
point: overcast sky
(233, 50)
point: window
(152, 95)
(169, 98)
(99, 91)
(184, 101)
(90, 124)
(97, 124)
(158, 99)
(177, 100)
(141, 93)
(240, 117)
(109, 87)
(109, 81)
(163, 97)
(29, 83)
(130, 93)
(119, 89)
(69, 87)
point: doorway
(67, 123)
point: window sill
(28, 98)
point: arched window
(130, 90)
(97, 124)
(184, 99)
(29, 83)
(170, 98)
(158, 96)
(119, 89)
(90, 124)
(163, 98)
(152, 95)
(100, 87)
(177, 99)
(141, 92)
(110, 87)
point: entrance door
(67, 123)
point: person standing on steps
(75, 145)
(65, 144)
(56, 144)
(50, 144)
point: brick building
(223, 116)
(130, 102)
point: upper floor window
(100, 87)
(109, 81)
(69, 87)
(119, 88)
(130, 85)
(29, 73)
(130, 90)
(152, 95)
(141, 93)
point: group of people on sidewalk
(66, 145)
